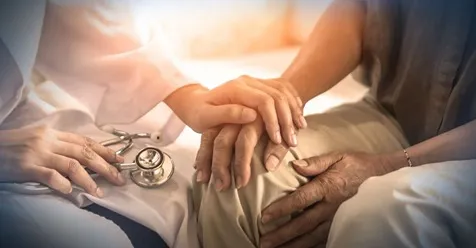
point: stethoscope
(151, 167)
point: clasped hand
(334, 178)
(220, 144)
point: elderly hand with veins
(335, 178)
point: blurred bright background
(215, 41)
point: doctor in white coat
(91, 50)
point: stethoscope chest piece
(154, 168)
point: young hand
(234, 103)
(47, 156)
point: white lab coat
(91, 52)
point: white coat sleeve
(95, 53)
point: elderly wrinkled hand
(220, 146)
(48, 156)
(336, 178)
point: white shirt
(91, 52)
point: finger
(226, 114)
(51, 178)
(316, 165)
(87, 157)
(75, 172)
(252, 98)
(274, 154)
(300, 199)
(294, 101)
(312, 239)
(282, 108)
(106, 153)
(203, 161)
(304, 223)
(222, 156)
(245, 145)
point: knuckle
(278, 97)
(280, 87)
(219, 171)
(239, 163)
(300, 199)
(73, 167)
(112, 170)
(289, 125)
(209, 136)
(222, 142)
(235, 112)
(35, 143)
(41, 130)
(245, 139)
(200, 161)
(89, 142)
(267, 101)
(111, 153)
(88, 153)
(50, 177)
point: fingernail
(299, 102)
(265, 219)
(300, 163)
(294, 140)
(272, 162)
(69, 190)
(120, 178)
(238, 182)
(199, 176)
(303, 121)
(218, 184)
(99, 192)
(277, 137)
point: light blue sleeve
(20, 30)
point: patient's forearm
(332, 51)
(457, 144)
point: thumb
(226, 114)
(274, 154)
(314, 166)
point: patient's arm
(332, 51)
